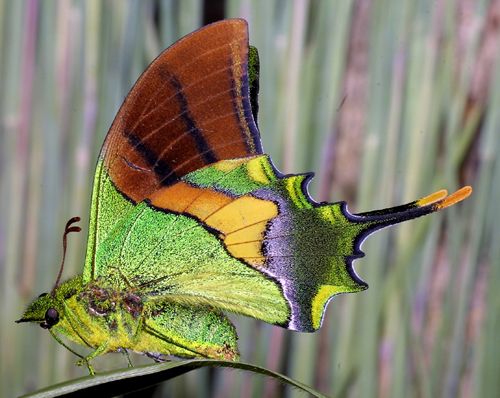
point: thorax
(99, 313)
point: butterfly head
(47, 308)
(44, 310)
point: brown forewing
(190, 108)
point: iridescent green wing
(307, 247)
(188, 211)
(239, 236)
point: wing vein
(129, 232)
(179, 115)
(187, 65)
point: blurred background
(387, 100)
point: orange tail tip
(429, 204)
(458, 196)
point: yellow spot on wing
(256, 171)
(250, 232)
(294, 188)
(247, 250)
(325, 292)
(229, 164)
(243, 211)
(243, 223)
(205, 205)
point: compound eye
(51, 318)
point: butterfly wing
(188, 210)
(239, 236)
(190, 108)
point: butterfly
(190, 219)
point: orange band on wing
(241, 221)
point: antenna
(69, 228)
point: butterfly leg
(124, 351)
(82, 360)
(58, 339)
(157, 357)
(90, 368)
(86, 360)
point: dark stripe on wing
(234, 102)
(247, 109)
(165, 174)
(252, 142)
(206, 153)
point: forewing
(190, 108)
(186, 211)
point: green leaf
(110, 384)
